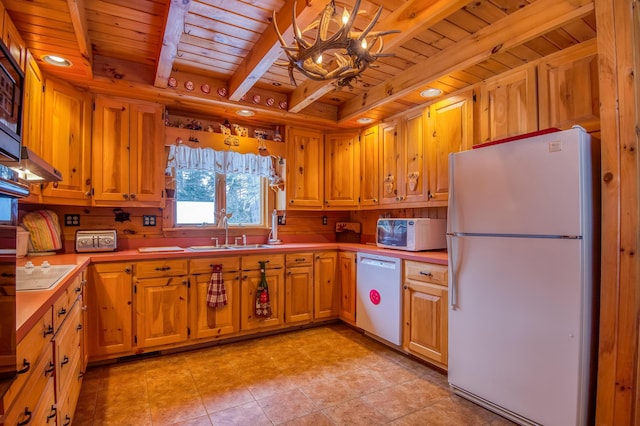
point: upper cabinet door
(450, 130)
(414, 179)
(508, 105)
(369, 168)
(569, 90)
(67, 136)
(15, 43)
(147, 154)
(391, 164)
(342, 170)
(33, 107)
(305, 171)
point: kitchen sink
(222, 248)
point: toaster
(90, 241)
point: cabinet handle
(78, 327)
(426, 274)
(62, 311)
(132, 196)
(54, 412)
(125, 196)
(300, 259)
(65, 360)
(164, 268)
(78, 289)
(127, 270)
(49, 368)
(28, 415)
(67, 420)
(26, 366)
(48, 331)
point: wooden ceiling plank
(128, 11)
(267, 49)
(81, 30)
(411, 18)
(174, 25)
(524, 25)
(204, 12)
(151, 27)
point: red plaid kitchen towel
(216, 294)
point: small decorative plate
(270, 101)
(205, 88)
(188, 85)
(222, 91)
(172, 82)
(283, 105)
(256, 99)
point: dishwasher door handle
(390, 264)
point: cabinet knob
(406, 287)
(125, 196)
(132, 196)
(127, 270)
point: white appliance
(521, 274)
(378, 298)
(412, 234)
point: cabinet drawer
(67, 349)
(161, 268)
(29, 351)
(26, 404)
(426, 272)
(204, 265)
(298, 259)
(274, 261)
(62, 306)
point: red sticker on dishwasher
(374, 296)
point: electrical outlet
(149, 220)
(282, 220)
(324, 220)
(71, 220)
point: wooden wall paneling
(618, 380)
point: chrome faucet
(223, 222)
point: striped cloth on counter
(216, 293)
(44, 230)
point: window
(208, 181)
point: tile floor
(329, 375)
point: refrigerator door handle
(453, 294)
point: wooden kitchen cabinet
(305, 169)
(250, 278)
(33, 107)
(298, 282)
(369, 168)
(390, 164)
(128, 153)
(450, 129)
(160, 302)
(342, 170)
(508, 105)
(13, 40)
(425, 311)
(347, 278)
(326, 286)
(109, 294)
(67, 136)
(207, 322)
(568, 88)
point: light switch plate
(71, 220)
(149, 220)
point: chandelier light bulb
(319, 60)
(364, 43)
(345, 16)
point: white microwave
(412, 234)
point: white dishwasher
(378, 301)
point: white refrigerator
(522, 228)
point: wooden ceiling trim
(515, 29)
(411, 18)
(80, 27)
(267, 50)
(173, 28)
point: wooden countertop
(31, 305)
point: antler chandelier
(343, 56)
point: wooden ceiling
(228, 50)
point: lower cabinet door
(250, 282)
(207, 322)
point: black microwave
(11, 102)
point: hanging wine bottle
(263, 304)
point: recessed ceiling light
(365, 120)
(430, 92)
(245, 113)
(58, 61)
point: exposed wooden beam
(173, 28)
(527, 23)
(267, 50)
(411, 18)
(80, 28)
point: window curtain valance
(223, 162)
